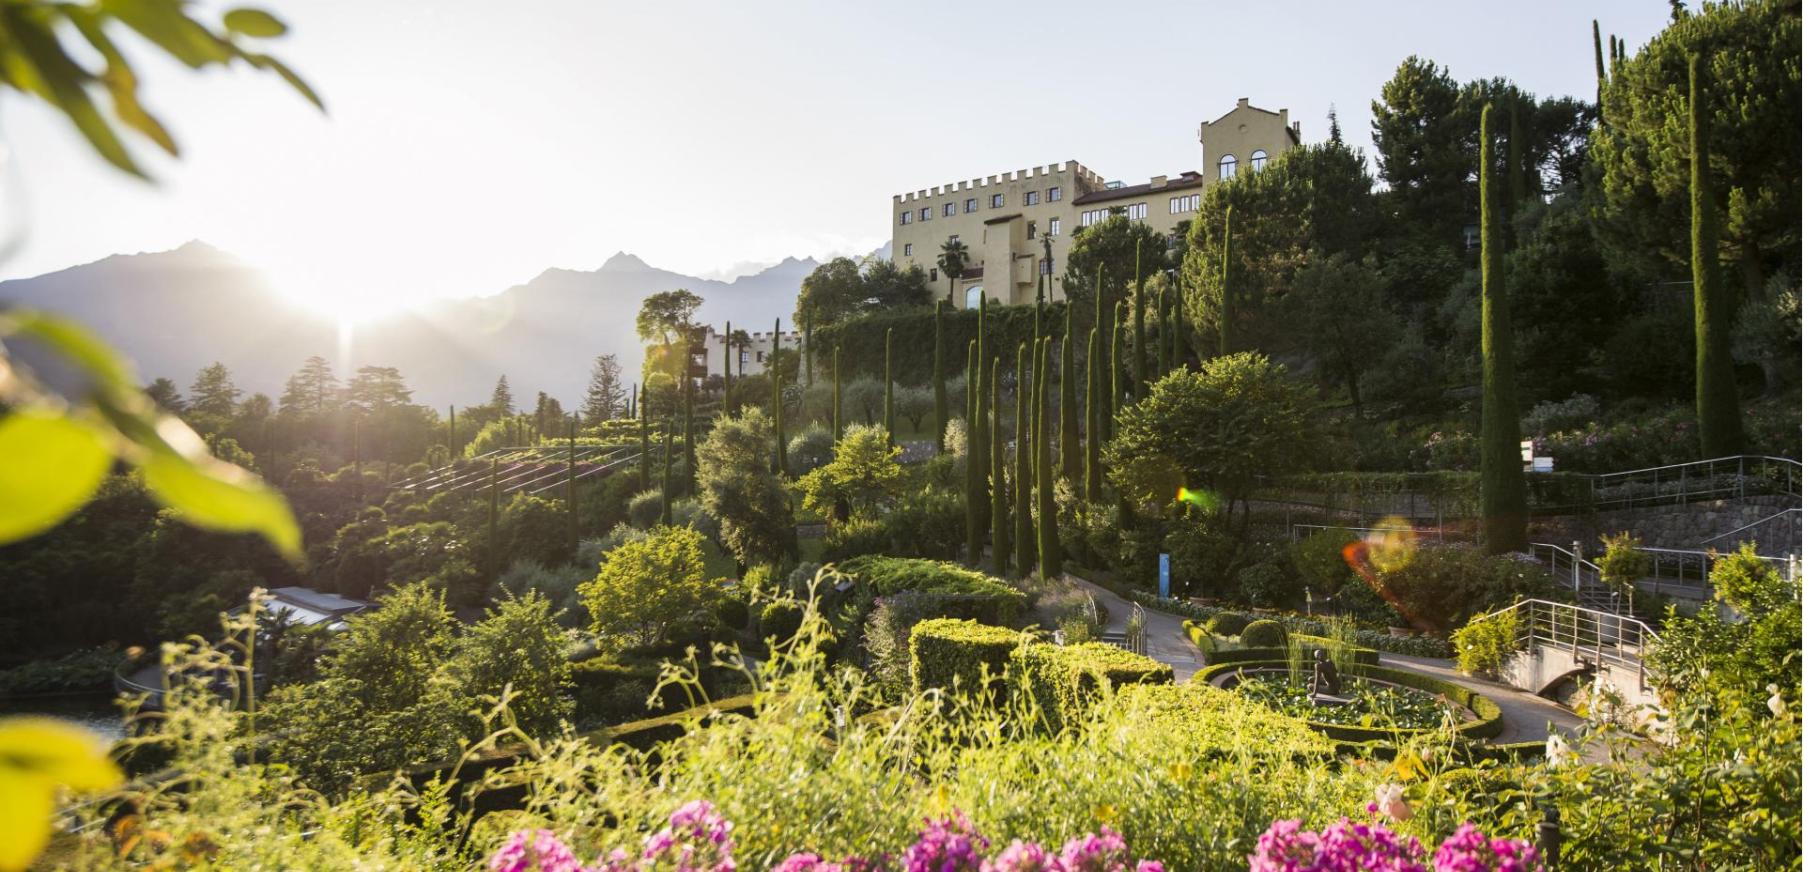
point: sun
(346, 294)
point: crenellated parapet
(1069, 169)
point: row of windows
(996, 201)
(1229, 163)
(1188, 203)
(1053, 228)
(1135, 211)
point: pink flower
(1342, 847)
(806, 862)
(1103, 852)
(946, 845)
(1391, 804)
(533, 851)
(1468, 851)
(1022, 856)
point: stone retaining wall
(1681, 526)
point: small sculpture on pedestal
(1326, 680)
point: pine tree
(1050, 562)
(502, 399)
(1503, 494)
(839, 405)
(972, 520)
(1070, 445)
(889, 385)
(998, 485)
(1024, 547)
(941, 408)
(781, 466)
(605, 394)
(1228, 310)
(213, 393)
(1139, 324)
(1718, 406)
(314, 389)
(1092, 471)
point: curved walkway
(1526, 717)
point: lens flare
(1392, 544)
(1205, 500)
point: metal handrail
(1605, 637)
(1750, 526)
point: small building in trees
(1012, 227)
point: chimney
(1243, 103)
(1158, 182)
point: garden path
(1525, 716)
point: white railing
(1601, 637)
(1715, 478)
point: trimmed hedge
(1065, 681)
(781, 619)
(912, 361)
(947, 652)
(1414, 646)
(967, 592)
(1488, 725)
(1265, 634)
(1229, 623)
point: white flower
(1558, 752)
(1776, 702)
(1391, 803)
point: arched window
(1258, 160)
(1229, 163)
(973, 297)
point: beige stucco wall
(756, 352)
(1009, 259)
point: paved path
(1165, 640)
(1525, 716)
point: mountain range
(173, 312)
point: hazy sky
(469, 145)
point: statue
(1326, 680)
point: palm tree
(952, 258)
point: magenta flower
(1468, 851)
(1096, 852)
(807, 862)
(534, 851)
(1342, 847)
(1022, 856)
(946, 845)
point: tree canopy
(667, 316)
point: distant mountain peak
(621, 261)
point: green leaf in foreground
(255, 23)
(219, 496)
(53, 463)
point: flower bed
(1486, 723)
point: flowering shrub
(698, 839)
(1358, 847)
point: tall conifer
(1070, 444)
(1024, 545)
(998, 490)
(1503, 494)
(889, 385)
(839, 407)
(1718, 406)
(941, 409)
(973, 532)
(776, 401)
(1229, 310)
(1050, 562)
(1139, 323)
(1092, 471)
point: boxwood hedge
(1065, 680)
(948, 652)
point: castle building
(708, 354)
(1018, 224)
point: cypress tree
(1024, 547)
(1504, 495)
(494, 512)
(1139, 324)
(726, 371)
(941, 409)
(1092, 388)
(1070, 444)
(668, 497)
(889, 385)
(451, 441)
(570, 489)
(1164, 335)
(1179, 329)
(1602, 75)
(1050, 563)
(644, 447)
(688, 435)
(973, 533)
(1228, 311)
(980, 447)
(807, 347)
(838, 406)
(998, 491)
(776, 401)
(1718, 406)
(1118, 387)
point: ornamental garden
(1232, 552)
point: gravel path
(1526, 717)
